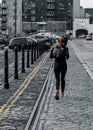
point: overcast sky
(84, 3)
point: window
(33, 18)
(91, 20)
(33, 12)
(33, 4)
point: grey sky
(86, 3)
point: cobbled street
(74, 111)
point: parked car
(88, 37)
(40, 37)
(82, 36)
(20, 41)
(52, 37)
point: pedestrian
(60, 53)
(65, 40)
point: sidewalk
(74, 111)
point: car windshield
(39, 37)
(20, 40)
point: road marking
(6, 107)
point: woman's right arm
(66, 53)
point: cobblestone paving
(74, 111)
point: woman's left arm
(66, 53)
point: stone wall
(81, 23)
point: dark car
(20, 41)
(40, 37)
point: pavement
(74, 111)
(84, 51)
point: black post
(37, 49)
(6, 83)
(34, 51)
(16, 64)
(40, 48)
(28, 56)
(23, 60)
(32, 61)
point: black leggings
(60, 72)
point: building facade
(82, 12)
(21, 13)
(89, 14)
(4, 18)
(34, 10)
(76, 9)
(64, 12)
(82, 26)
(48, 10)
(11, 17)
(0, 18)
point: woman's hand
(61, 47)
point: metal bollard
(6, 83)
(40, 49)
(37, 50)
(28, 56)
(32, 60)
(16, 64)
(34, 51)
(23, 60)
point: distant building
(76, 8)
(89, 11)
(11, 17)
(0, 17)
(24, 15)
(64, 12)
(48, 10)
(89, 14)
(82, 12)
(4, 18)
(82, 26)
